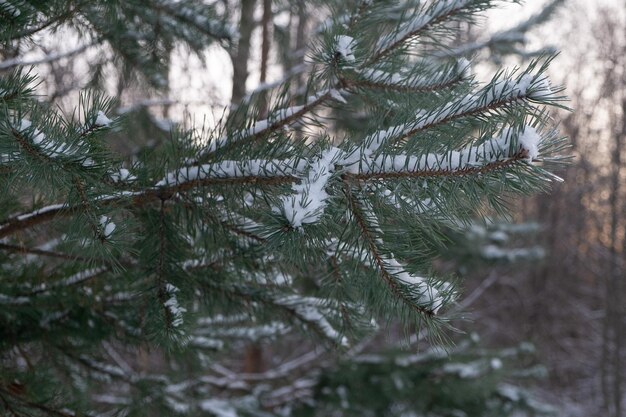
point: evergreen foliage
(467, 381)
(497, 242)
(313, 210)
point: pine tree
(465, 381)
(128, 284)
(391, 379)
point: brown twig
(34, 251)
(136, 199)
(374, 251)
(27, 147)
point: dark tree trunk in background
(266, 40)
(241, 55)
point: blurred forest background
(567, 297)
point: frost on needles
(312, 208)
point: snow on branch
(8, 300)
(438, 12)
(175, 310)
(313, 312)
(201, 342)
(102, 120)
(35, 143)
(308, 203)
(420, 294)
(310, 178)
(7, 7)
(427, 294)
(107, 227)
(472, 370)
(296, 70)
(234, 169)
(296, 391)
(499, 93)
(218, 407)
(492, 97)
(47, 209)
(105, 369)
(402, 82)
(278, 119)
(19, 62)
(422, 291)
(496, 253)
(74, 279)
(344, 45)
(243, 331)
(122, 175)
(52, 211)
(493, 150)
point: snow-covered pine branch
(414, 82)
(235, 169)
(420, 294)
(312, 209)
(424, 18)
(11, 63)
(278, 119)
(313, 312)
(476, 158)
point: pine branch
(21, 249)
(87, 209)
(293, 393)
(18, 62)
(379, 260)
(439, 12)
(28, 148)
(283, 371)
(72, 280)
(311, 312)
(490, 99)
(52, 20)
(30, 219)
(160, 270)
(199, 22)
(363, 7)
(263, 128)
(308, 310)
(387, 82)
(318, 233)
(284, 117)
(465, 171)
(130, 199)
(19, 399)
(505, 40)
(244, 233)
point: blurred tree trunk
(253, 361)
(298, 55)
(300, 36)
(266, 40)
(611, 363)
(242, 54)
(613, 328)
